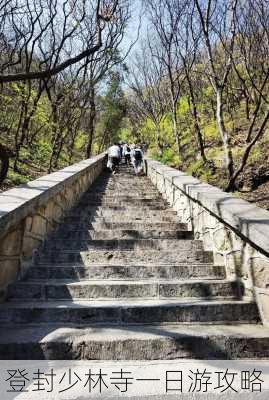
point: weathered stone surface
(234, 230)
(260, 268)
(9, 269)
(123, 271)
(127, 289)
(107, 234)
(172, 245)
(135, 343)
(29, 245)
(151, 311)
(16, 204)
(126, 256)
(29, 213)
(10, 245)
(122, 258)
(100, 224)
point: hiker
(127, 153)
(137, 159)
(132, 147)
(114, 157)
(121, 146)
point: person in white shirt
(127, 153)
(114, 156)
(137, 159)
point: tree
(53, 56)
(252, 53)
(217, 20)
(148, 95)
(38, 38)
(113, 110)
(166, 19)
(5, 154)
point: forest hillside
(194, 88)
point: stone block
(30, 244)
(53, 211)
(259, 267)
(207, 240)
(222, 239)
(219, 258)
(9, 270)
(211, 221)
(30, 212)
(11, 244)
(235, 262)
(37, 225)
(262, 297)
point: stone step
(112, 218)
(123, 194)
(118, 202)
(123, 279)
(120, 234)
(142, 200)
(87, 258)
(130, 214)
(133, 188)
(53, 290)
(121, 271)
(122, 208)
(123, 178)
(134, 342)
(137, 191)
(173, 245)
(130, 312)
(125, 175)
(122, 225)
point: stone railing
(236, 231)
(30, 212)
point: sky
(131, 35)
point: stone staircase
(123, 278)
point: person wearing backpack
(127, 154)
(137, 157)
(114, 156)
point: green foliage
(18, 179)
(81, 141)
(211, 131)
(43, 151)
(169, 157)
(200, 170)
(125, 133)
(113, 109)
(183, 107)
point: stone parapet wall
(237, 232)
(30, 212)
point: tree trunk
(196, 121)
(58, 153)
(17, 140)
(224, 135)
(232, 181)
(91, 125)
(22, 138)
(4, 158)
(56, 136)
(175, 129)
(247, 107)
(159, 141)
